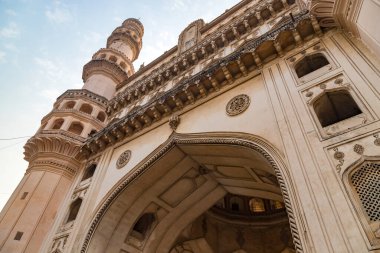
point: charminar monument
(258, 132)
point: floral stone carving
(123, 159)
(237, 105)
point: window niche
(86, 108)
(89, 172)
(311, 63)
(76, 128)
(336, 107)
(362, 182)
(74, 210)
(143, 226)
(57, 124)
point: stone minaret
(53, 153)
(112, 65)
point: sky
(44, 45)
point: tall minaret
(56, 164)
(112, 65)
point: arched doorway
(211, 193)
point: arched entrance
(211, 193)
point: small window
(143, 225)
(74, 209)
(57, 124)
(86, 108)
(236, 204)
(310, 64)
(122, 65)
(18, 236)
(76, 128)
(256, 205)
(335, 106)
(276, 205)
(101, 116)
(113, 58)
(24, 194)
(69, 105)
(89, 172)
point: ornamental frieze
(241, 26)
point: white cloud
(10, 31)
(47, 66)
(118, 20)
(2, 57)
(50, 94)
(178, 4)
(58, 13)
(10, 12)
(11, 47)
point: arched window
(89, 172)
(236, 204)
(101, 116)
(122, 65)
(69, 105)
(76, 128)
(143, 225)
(74, 209)
(86, 108)
(363, 186)
(256, 205)
(365, 182)
(334, 106)
(57, 124)
(310, 63)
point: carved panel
(238, 105)
(349, 154)
(123, 159)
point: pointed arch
(237, 140)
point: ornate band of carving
(257, 145)
(123, 159)
(238, 105)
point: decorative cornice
(82, 93)
(255, 144)
(54, 141)
(219, 74)
(210, 45)
(104, 66)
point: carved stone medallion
(123, 159)
(237, 105)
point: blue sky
(44, 45)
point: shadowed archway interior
(199, 197)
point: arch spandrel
(125, 203)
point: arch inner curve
(195, 194)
